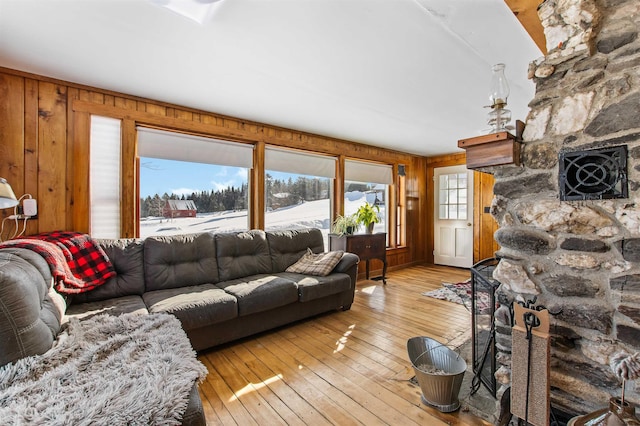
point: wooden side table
(366, 246)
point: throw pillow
(320, 264)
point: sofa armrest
(346, 263)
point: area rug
(460, 293)
(132, 369)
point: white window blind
(104, 175)
(360, 171)
(195, 149)
(289, 161)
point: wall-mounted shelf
(495, 149)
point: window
(104, 177)
(192, 184)
(367, 183)
(298, 190)
(453, 196)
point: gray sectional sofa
(221, 287)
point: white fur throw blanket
(132, 369)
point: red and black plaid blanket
(76, 262)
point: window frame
(194, 148)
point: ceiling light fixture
(499, 116)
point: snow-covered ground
(310, 214)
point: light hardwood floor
(340, 368)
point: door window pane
(453, 196)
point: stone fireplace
(580, 258)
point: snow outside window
(298, 190)
(367, 183)
(191, 184)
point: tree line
(280, 193)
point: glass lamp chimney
(499, 116)
(499, 91)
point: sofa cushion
(31, 311)
(116, 306)
(195, 306)
(127, 257)
(314, 287)
(286, 247)
(241, 254)
(261, 292)
(320, 264)
(179, 261)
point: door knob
(468, 223)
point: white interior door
(453, 200)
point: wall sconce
(7, 197)
(498, 94)
(28, 210)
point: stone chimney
(578, 257)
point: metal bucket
(439, 371)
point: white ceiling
(410, 75)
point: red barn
(179, 208)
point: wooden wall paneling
(12, 158)
(183, 115)
(485, 225)
(52, 146)
(256, 183)
(79, 155)
(124, 103)
(490, 226)
(400, 258)
(415, 210)
(401, 206)
(392, 212)
(208, 120)
(70, 182)
(250, 128)
(96, 97)
(428, 217)
(83, 95)
(30, 173)
(477, 215)
(129, 180)
(77, 166)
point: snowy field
(310, 214)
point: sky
(179, 177)
(159, 176)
